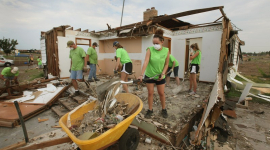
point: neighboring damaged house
(214, 40)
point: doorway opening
(188, 52)
(167, 43)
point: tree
(8, 45)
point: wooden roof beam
(186, 13)
(223, 13)
(78, 29)
(85, 30)
(70, 28)
(218, 19)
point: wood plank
(186, 13)
(68, 103)
(80, 99)
(47, 143)
(60, 111)
(14, 146)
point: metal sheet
(245, 92)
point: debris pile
(94, 124)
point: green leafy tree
(8, 45)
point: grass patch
(233, 93)
(258, 100)
(39, 75)
(236, 94)
(239, 78)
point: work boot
(90, 80)
(164, 113)
(148, 114)
(76, 93)
(96, 79)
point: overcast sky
(24, 19)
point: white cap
(14, 70)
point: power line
(122, 12)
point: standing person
(39, 63)
(156, 62)
(30, 60)
(9, 73)
(92, 57)
(173, 67)
(77, 64)
(194, 69)
(122, 56)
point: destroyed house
(137, 37)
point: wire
(122, 12)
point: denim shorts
(76, 74)
(9, 78)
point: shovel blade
(177, 89)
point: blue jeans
(92, 71)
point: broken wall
(211, 43)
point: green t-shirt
(7, 72)
(156, 62)
(197, 60)
(39, 61)
(123, 55)
(92, 55)
(172, 59)
(77, 57)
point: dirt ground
(251, 131)
(250, 68)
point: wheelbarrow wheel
(129, 140)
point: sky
(25, 19)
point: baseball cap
(69, 43)
(114, 43)
(14, 70)
(95, 43)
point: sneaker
(148, 114)
(76, 93)
(192, 93)
(164, 113)
(90, 80)
(189, 91)
(96, 79)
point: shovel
(178, 88)
(99, 68)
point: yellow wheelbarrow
(127, 137)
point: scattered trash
(148, 140)
(260, 111)
(42, 120)
(52, 134)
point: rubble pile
(94, 123)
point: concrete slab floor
(251, 130)
(9, 136)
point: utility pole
(122, 12)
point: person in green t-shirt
(92, 61)
(9, 73)
(156, 63)
(173, 67)
(123, 58)
(194, 68)
(39, 63)
(77, 64)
